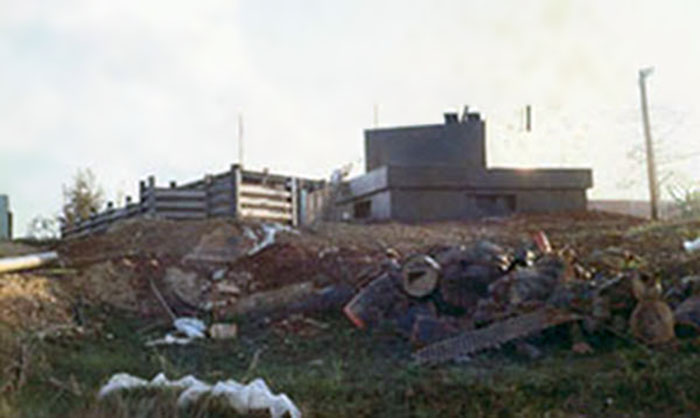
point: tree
(81, 198)
(686, 199)
(43, 228)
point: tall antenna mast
(240, 139)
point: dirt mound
(142, 236)
(122, 265)
(32, 302)
(12, 249)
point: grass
(344, 372)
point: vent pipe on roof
(465, 113)
(451, 117)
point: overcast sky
(137, 87)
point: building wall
(532, 201)
(414, 205)
(5, 218)
(381, 205)
(459, 144)
(430, 205)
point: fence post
(295, 201)
(236, 179)
(151, 196)
(142, 196)
(208, 182)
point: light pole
(651, 162)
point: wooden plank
(180, 194)
(221, 190)
(236, 180)
(220, 211)
(264, 191)
(266, 214)
(265, 203)
(218, 198)
(182, 215)
(256, 176)
(133, 210)
(228, 206)
(181, 205)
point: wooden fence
(235, 193)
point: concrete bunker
(439, 172)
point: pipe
(26, 262)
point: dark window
(362, 210)
(494, 204)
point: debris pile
(457, 301)
(223, 268)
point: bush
(687, 200)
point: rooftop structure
(439, 172)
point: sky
(140, 87)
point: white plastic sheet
(255, 395)
(191, 328)
(692, 245)
(269, 231)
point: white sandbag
(191, 327)
(243, 398)
(692, 245)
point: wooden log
(295, 298)
(26, 262)
(376, 302)
(420, 275)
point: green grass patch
(344, 372)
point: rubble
(447, 286)
(688, 312)
(269, 232)
(493, 336)
(463, 300)
(263, 302)
(223, 331)
(222, 245)
(186, 286)
(300, 325)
